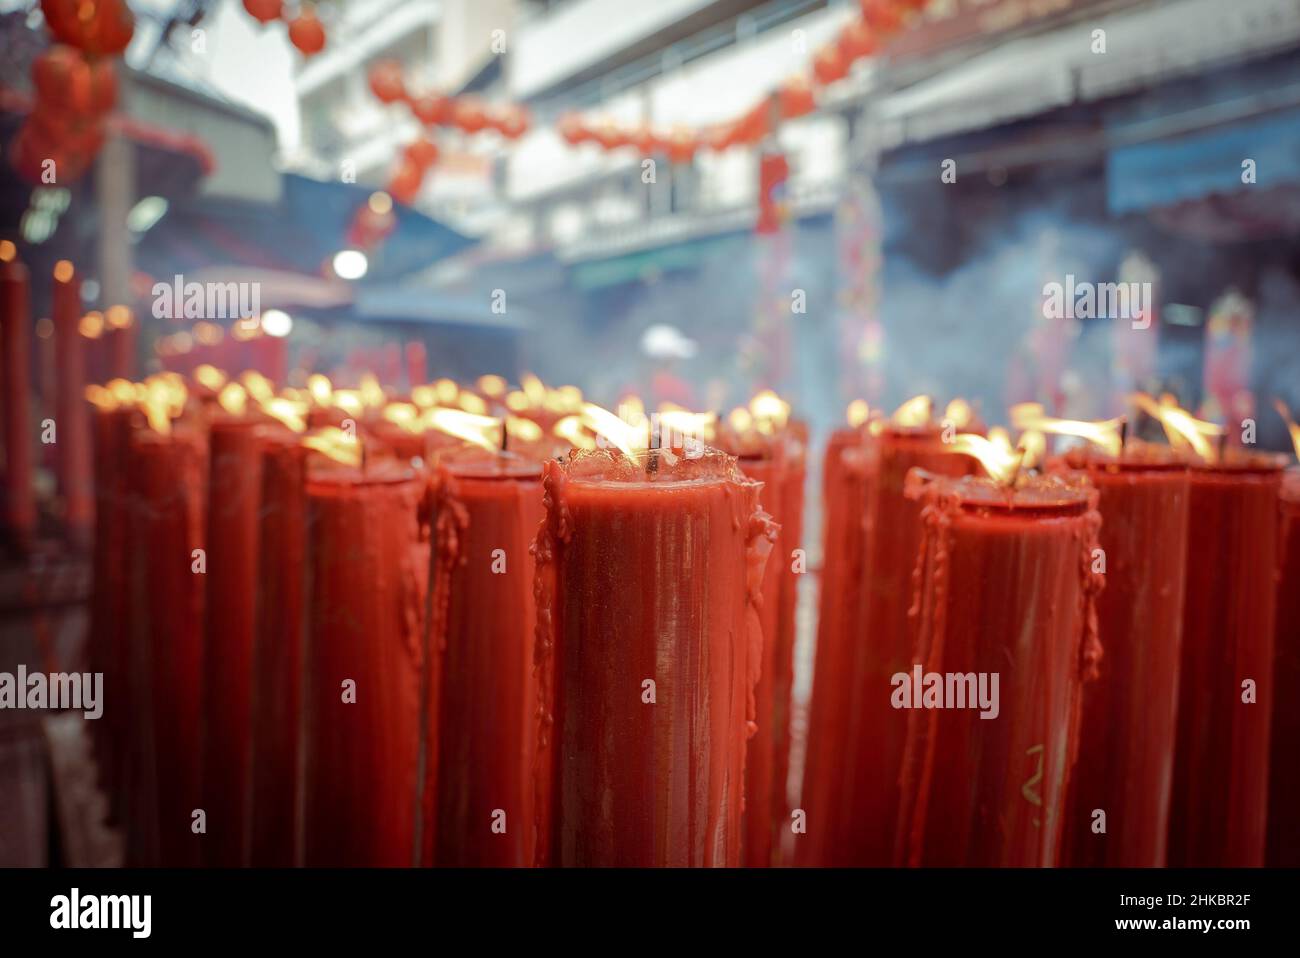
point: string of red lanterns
(306, 32)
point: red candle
(1220, 790)
(779, 466)
(649, 574)
(1126, 745)
(167, 483)
(121, 337)
(848, 472)
(488, 509)
(1284, 770)
(863, 826)
(277, 650)
(368, 562)
(15, 360)
(1006, 596)
(234, 498)
(72, 434)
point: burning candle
(1284, 771)
(483, 745)
(277, 649)
(650, 567)
(847, 474)
(1226, 688)
(861, 831)
(15, 360)
(991, 698)
(1126, 744)
(72, 435)
(168, 472)
(234, 498)
(368, 565)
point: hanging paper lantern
(66, 83)
(682, 146)
(573, 129)
(432, 110)
(306, 33)
(406, 182)
(647, 141)
(422, 153)
(796, 98)
(610, 135)
(469, 115)
(830, 65)
(78, 136)
(856, 41)
(99, 27)
(386, 80)
(511, 121)
(264, 11)
(883, 16)
(37, 150)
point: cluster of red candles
(1124, 592)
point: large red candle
(1220, 791)
(234, 496)
(368, 559)
(277, 650)
(1006, 592)
(862, 827)
(649, 574)
(1126, 746)
(778, 463)
(167, 485)
(1284, 768)
(72, 433)
(488, 509)
(847, 471)
(15, 362)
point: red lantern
(511, 121)
(99, 27)
(422, 153)
(610, 136)
(647, 141)
(883, 16)
(432, 110)
(264, 11)
(306, 33)
(76, 136)
(469, 115)
(35, 147)
(66, 83)
(573, 129)
(830, 65)
(682, 146)
(796, 98)
(856, 41)
(385, 80)
(406, 182)
(754, 125)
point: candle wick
(1123, 432)
(652, 458)
(505, 437)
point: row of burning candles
(484, 626)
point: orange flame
(91, 325)
(1292, 426)
(770, 412)
(372, 394)
(288, 411)
(1106, 433)
(321, 389)
(481, 431)
(446, 391)
(858, 413)
(571, 430)
(624, 436)
(1001, 464)
(1181, 427)
(533, 388)
(340, 445)
(210, 377)
(915, 412)
(525, 430)
(683, 423)
(101, 397)
(959, 413)
(233, 398)
(424, 396)
(258, 386)
(403, 414)
(493, 386)
(470, 403)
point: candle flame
(91, 325)
(471, 403)
(321, 389)
(157, 399)
(291, 412)
(233, 398)
(959, 413)
(525, 430)
(533, 388)
(119, 317)
(123, 390)
(571, 430)
(372, 394)
(1107, 433)
(740, 420)
(1034, 445)
(683, 423)
(101, 397)
(403, 414)
(770, 412)
(517, 401)
(493, 386)
(446, 391)
(915, 412)
(1181, 427)
(481, 431)
(858, 413)
(340, 445)
(349, 400)
(615, 431)
(258, 386)
(1292, 426)
(424, 396)
(1001, 464)
(207, 334)
(210, 377)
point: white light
(145, 214)
(276, 322)
(350, 264)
